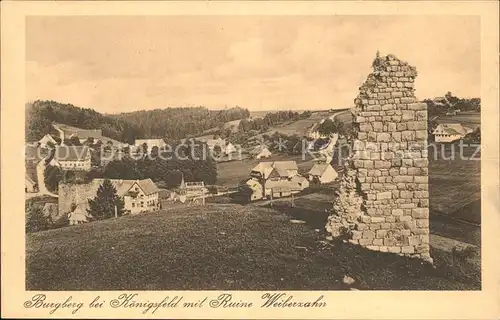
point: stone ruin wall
(383, 200)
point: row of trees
(189, 162)
(171, 123)
(439, 107)
(271, 119)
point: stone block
(356, 234)
(407, 249)
(365, 242)
(406, 194)
(394, 249)
(407, 135)
(420, 213)
(390, 242)
(401, 218)
(421, 179)
(377, 219)
(401, 126)
(405, 179)
(383, 137)
(407, 162)
(365, 127)
(367, 234)
(408, 115)
(368, 164)
(422, 248)
(421, 231)
(416, 125)
(378, 242)
(380, 234)
(360, 226)
(421, 135)
(382, 164)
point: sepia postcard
(226, 160)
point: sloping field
(224, 247)
(471, 120)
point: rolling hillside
(223, 247)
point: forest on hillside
(169, 123)
(449, 102)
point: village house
(322, 173)
(230, 148)
(83, 135)
(448, 132)
(68, 132)
(276, 179)
(260, 152)
(77, 158)
(47, 141)
(138, 196)
(271, 169)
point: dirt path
(40, 173)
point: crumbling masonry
(383, 200)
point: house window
(142, 204)
(133, 205)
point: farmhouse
(83, 135)
(159, 143)
(448, 132)
(67, 132)
(322, 173)
(260, 152)
(138, 195)
(269, 169)
(72, 158)
(47, 141)
(277, 179)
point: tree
(89, 142)
(144, 148)
(174, 179)
(75, 141)
(52, 176)
(104, 203)
(35, 219)
(155, 152)
(328, 126)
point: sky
(125, 63)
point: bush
(458, 264)
(35, 219)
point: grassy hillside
(227, 247)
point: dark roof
(85, 134)
(71, 153)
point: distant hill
(169, 123)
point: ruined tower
(383, 200)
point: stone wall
(383, 200)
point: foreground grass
(227, 247)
